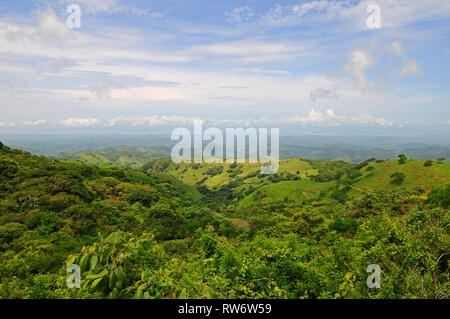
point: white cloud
(358, 63)
(61, 64)
(253, 51)
(80, 122)
(312, 11)
(51, 38)
(7, 124)
(104, 92)
(240, 14)
(410, 67)
(331, 119)
(328, 118)
(50, 30)
(35, 123)
(396, 48)
(199, 86)
(353, 14)
(322, 94)
(154, 120)
(262, 71)
(112, 7)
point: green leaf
(96, 284)
(183, 294)
(71, 260)
(94, 262)
(139, 294)
(111, 280)
(115, 293)
(103, 273)
(84, 262)
(143, 286)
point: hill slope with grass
(145, 234)
(217, 174)
(305, 181)
(378, 176)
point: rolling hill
(222, 231)
(305, 181)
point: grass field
(194, 173)
(295, 184)
(292, 191)
(416, 174)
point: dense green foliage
(309, 231)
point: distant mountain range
(131, 156)
(134, 151)
(135, 156)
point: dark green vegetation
(217, 231)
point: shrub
(146, 196)
(344, 225)
(397, 178)
(208, 242)
(428, 163)
(213, 171)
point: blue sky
(310, 66)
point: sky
(303, 66)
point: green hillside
(215, 175)
(301, 181)
(286, 191)
(416, 175)
(130, 156)
(309, 231)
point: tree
(8, 167)
(397, 178)
(344, 225)
(207, 239)
(82, 219)
(402, 159)
(428, 163)
(441, 159)
(145, 196)
(9, 232)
